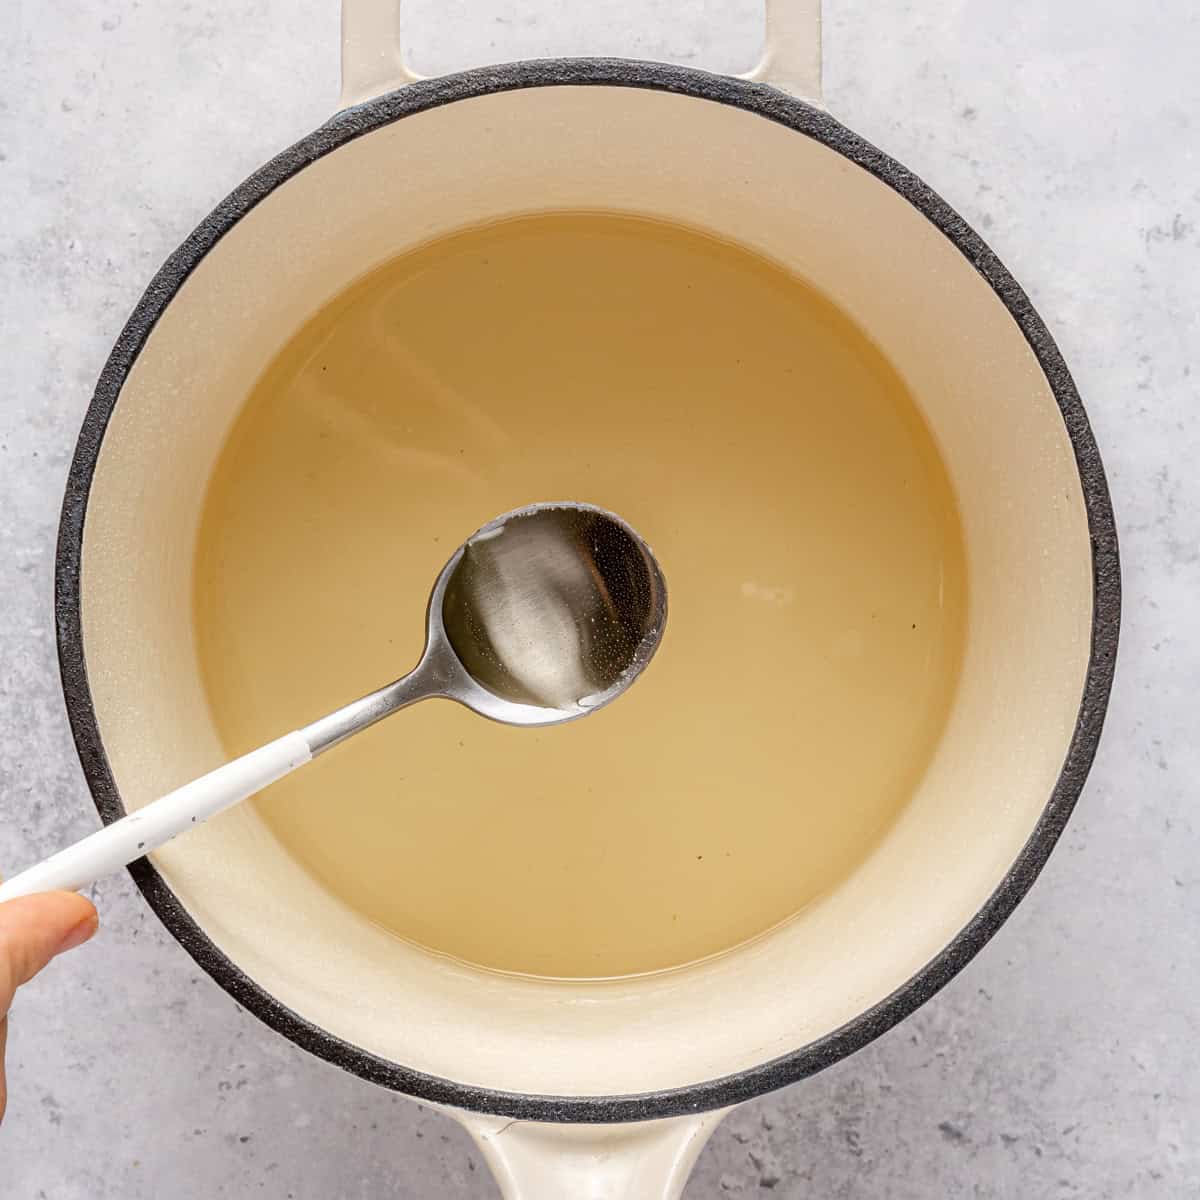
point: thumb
(33, 929)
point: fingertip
(64, 909)
(82, 931)
(72, 914)
(33, 929)
(73, 901)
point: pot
(598, 1088)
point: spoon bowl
(558, 607)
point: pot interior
(979, 387)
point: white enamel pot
(598, 1089)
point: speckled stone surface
(1065, 1060)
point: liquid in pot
(796, 501)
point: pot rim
(804, 119)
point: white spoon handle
(120, 843)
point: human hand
(33, 929)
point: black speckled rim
(809, 122)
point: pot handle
(791, 59)
(372, 53)
(373, 59)
(648, 1160)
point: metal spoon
(543, 616)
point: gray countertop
(1065, 1061)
